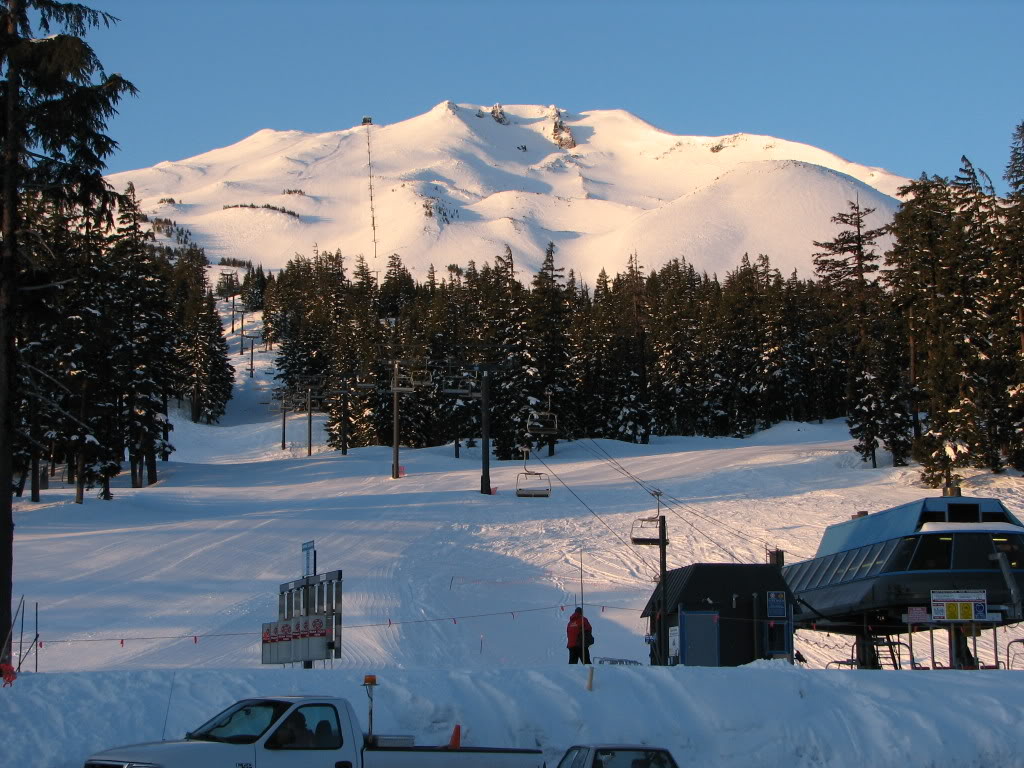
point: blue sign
(777, 605)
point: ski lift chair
(644, 532)
(365, 381)
(402, 382)
(542, 423)
(421, 377)
(454, 384)
(530, 484)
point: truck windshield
(633, 758)
(241, 723)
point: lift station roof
(908, 519)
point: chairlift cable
(652, 490)
(611, 530)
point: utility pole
(309, 421)
(394, 419)
(663, 614)
(485, 432)
(638, 538)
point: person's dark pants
(574, 655)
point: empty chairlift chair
(542, 423)
(532, 484)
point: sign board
(777, 605)
(918, 614)
(309, 621)
(673, 641)
(308, 559)
(959, 605)
(303, 638)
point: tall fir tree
(56, 103)
(848, 264)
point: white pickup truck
(301, 732)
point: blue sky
(909, 85)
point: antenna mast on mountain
(368, 121)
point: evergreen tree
(631, 415)
(674, 296)
(54, 115)
(516, 379)
(848, 263)
(144, 343)
(548, 310)
(1012, 281)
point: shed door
(699, 632)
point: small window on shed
(900, 558)
(852, 570)
(931, 516)
(822, 576)
(1013, 545)
(837, 567)
(933, 553)
(810, 575)
(792, 574)
(963, 513)
(868, 561)
(883, 556)
(995, 516)
(971, 552)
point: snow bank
(766, 714)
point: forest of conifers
(920, 348)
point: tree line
(919, 348)
(116, 326)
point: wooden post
(485, 432)
(663, 588)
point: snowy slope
(436, 574)
(625, 186)
(150, 605)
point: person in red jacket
(579, 636)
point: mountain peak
(462, 181)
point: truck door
(310, 736)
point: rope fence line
(454, 619)
(388, 623)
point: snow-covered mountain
(460, 182)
